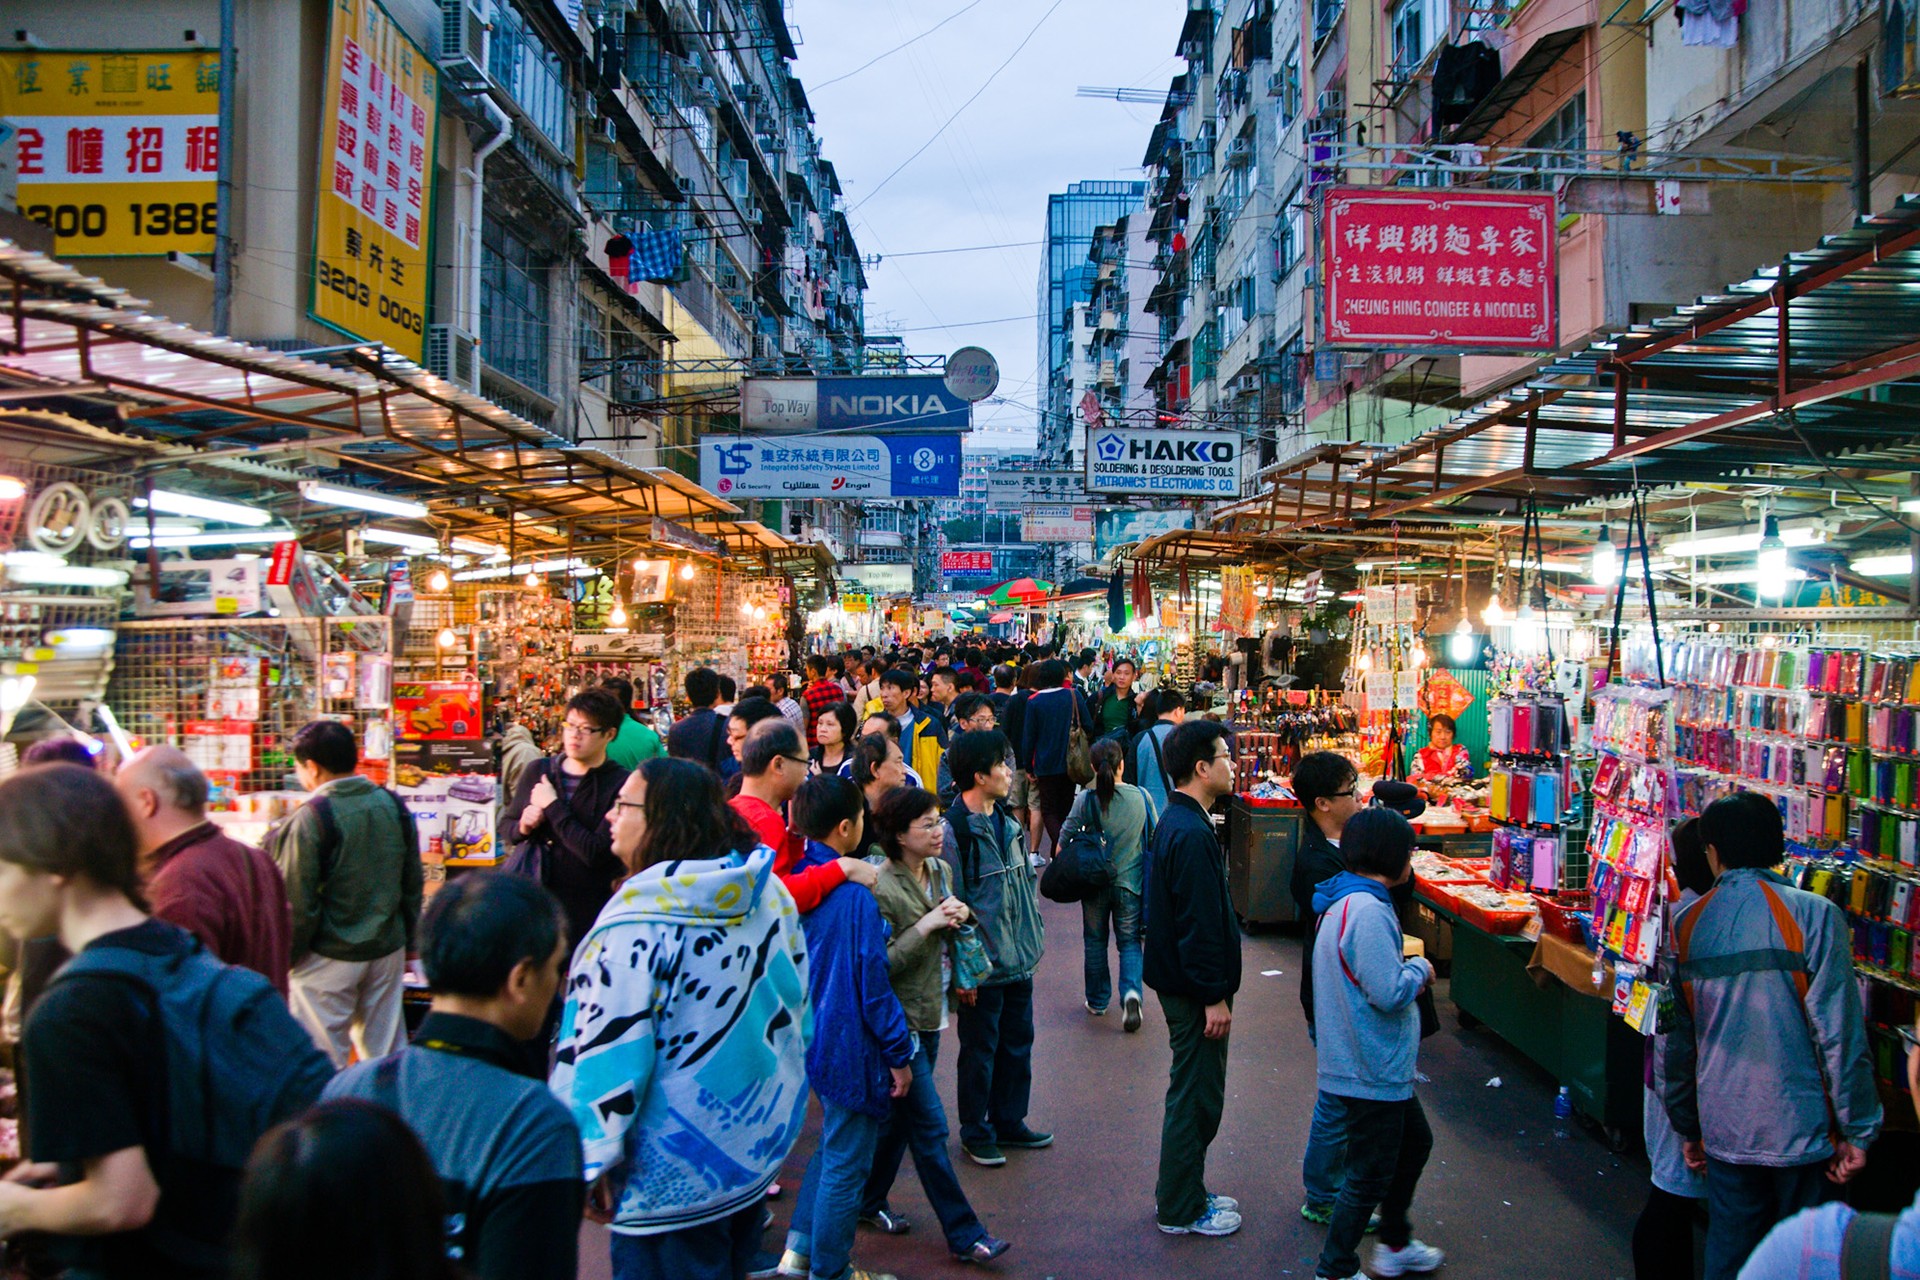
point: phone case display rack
(1532, 794)
(714, 625)
(232, 692)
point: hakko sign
(1185, 464)
(1449, 271)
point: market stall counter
(1539, 996)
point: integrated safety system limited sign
(905, 403)
(116, 151)
(1187, 464)
(1057, 524)
(1440, 270)
(832, 467)
(378, 124)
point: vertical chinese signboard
(116, 150)
(375, 202)
(1454, 270)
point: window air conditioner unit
(464, 28)
(765, 347)
(1332, 102)
(1240, 151)
(453, 354)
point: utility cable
(897, 48)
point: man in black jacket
(1192, 961)
(701, 734)
(562, 802)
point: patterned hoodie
(682, 1051)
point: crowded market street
(1500, 1181)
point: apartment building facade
(622, 206)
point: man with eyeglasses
(773, 764)
(1191, 959)
(1325, 783)
(561, 805)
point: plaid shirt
(820, 695)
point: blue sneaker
(1215, 1222)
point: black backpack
(236, 1061)
(1082, 865)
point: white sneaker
(1416, 1257)
(1215, 1222)
(1357, 1275)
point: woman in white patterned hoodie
(683, 1041)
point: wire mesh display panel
(232, 692)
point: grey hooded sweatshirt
(1367, 1028)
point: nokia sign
(890, 403)
(1188, 464)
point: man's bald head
(176, 781)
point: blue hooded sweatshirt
(1368, 1030)
(860, 1030)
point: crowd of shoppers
(628, 1019)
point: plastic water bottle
(1562, 1111)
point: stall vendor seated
(1442, 761)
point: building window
(1289, 86)
(532, 75)
(1409, 37)
(1293, 388)
(1564, 132)
(1290, 235)
(1326, 16)
(514, 306)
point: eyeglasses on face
(930, 825)
(629, 804)
(580, 730)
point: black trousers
(1387, 1148)
(1663, 1237)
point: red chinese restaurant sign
(1439, 269)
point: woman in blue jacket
(1046, 724)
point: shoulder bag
(1083, 865)
(1079, 749)
(529, 856)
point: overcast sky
(985, 180)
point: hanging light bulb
(447, 639)
(618, 616)
(532, 580)
(687, 572)
(1365, 661)
(1460, 643)
(1606, 560)
(1771, 563)
(1418, 656)
(759, 613)
(1529, 630)
(1495, 614)
(438, 580)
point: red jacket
(809, 886)
(227, 894)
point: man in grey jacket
(1768, 1081)
(1368, 1040)
(995, 877)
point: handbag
(1079, 749)
(971, 963)
(1082, 866)
(529, 856)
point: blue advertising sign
(1122, 526)
(831, 466)
(921, 402)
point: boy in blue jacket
(1368, 1038)
(861, 1057)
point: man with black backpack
(701, 734)
(352, 864)
(148, 1069)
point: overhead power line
(945, 124)
(897, 48)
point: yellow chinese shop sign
(375, 200)
(116, 150)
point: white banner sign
(1057, 524)
(1188, 464)
(878, 579)
(1007, 489)
(1392, 604)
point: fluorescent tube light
(1887, 566)
(1742, 577)
(186, 504)
(474, 546)
(1722, 542)
(37, 568)
(215, 538)
(419, 543)
(363, 500)
(577, 567)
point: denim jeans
(995, 1070)
(828, 1209)
(712, 1251)
(918, 1122)
(1120, 906)
(1744, 1201)
(1325, 1163)
(1387, 1148)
